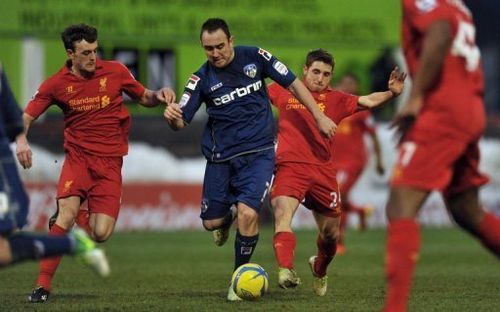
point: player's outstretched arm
(23, 150)
(154, 98)
(173, 115)
(395, 86)
(325, 125)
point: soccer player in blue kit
(17, 246)
(238, 141)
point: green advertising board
(354, 31)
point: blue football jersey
(240, 117)
(11, 122)
(13, 198)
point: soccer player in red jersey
(305, 170)
(89, 92)
(351, 156)
(440, 126)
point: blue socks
(29, 246)
(244, 247)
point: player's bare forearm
(23, 150)
(435, 46)
(154, 98)
(375, 99)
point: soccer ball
(250, 281)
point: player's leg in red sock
(49, 266)
(468, 213)
(284, 248)
(403, 245)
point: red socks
(326, 252)
(489, 232)
(49, 266)
(403, 246)
(284, 249)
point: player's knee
(66, 217)
(330, 235)
(211, 225)
(101, 234)
(247, 216)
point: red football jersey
(299, 139)
(349, 139)
(454, 104)
(94, 115)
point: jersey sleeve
(129, 84)
(422, 13)
(275, 69)
(192, 98)
(41, 100)
(10, 113)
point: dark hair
(213, 24)
(351, 75)
(320, 55)
(78, 33)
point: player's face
(348, 85)
(218, 48)
(84, 57)
(317, 77)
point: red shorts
(315, 186)
(437, 162)
(348, 174)
(94, 178)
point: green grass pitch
(185, 271)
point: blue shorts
(14, 201)
(243, 179)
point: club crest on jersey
(265, 54)
(192, 82)
(102, 84)
(250, 70)
(280, 68)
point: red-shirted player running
(440, 124)
(89, 92)
(351, 156)
(305, 170)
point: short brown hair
(320, 55)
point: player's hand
(165, 95)
(396, 81)
(23, 152)
(326, 126)
(173, 113)
(406, 116)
